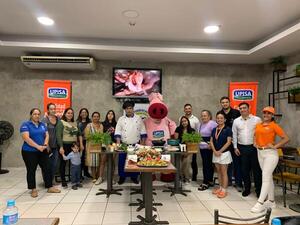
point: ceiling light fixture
(45, 21)
(131, 15)
(211, 29)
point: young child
(74, 156)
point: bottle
(10, 213)
(276, 221)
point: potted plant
(297, 72)
(279, 63)
(96, 140)
(294, 95)
(192, 141)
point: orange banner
(58, 92)
(243, 92)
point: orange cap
(269, 109)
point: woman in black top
(109, 124)
(184, 127)
(83, 120)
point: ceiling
(252, 31)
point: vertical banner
(58, 92)
(243, 92)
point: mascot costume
(158, 126)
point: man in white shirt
(194, 121)
(243, 131)
(130, 129)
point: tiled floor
(84, 207)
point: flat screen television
(136, 82)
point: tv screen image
(136, 83)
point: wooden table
(38, 221)
(109, 171)
(148, 195)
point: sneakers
(74, 187)
(258, 208)
(216, 190)
(245, 193)
(99, 181)
(222, 194)
(64, 184)
(121, 180)
(34, 193)
(135, 180)
(53, 190)
(79, 185)
(270, 204)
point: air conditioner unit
(59, 62)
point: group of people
(235, 144)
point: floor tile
(67, 208)
(173, 217)
(65, 218)
(116, 217)
(88, 218)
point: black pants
(208, 167)
(235, 168)
(194, 166)
(32, 160)
(84, 168)
(62, 166)
(250, 163)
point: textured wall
(199, 84)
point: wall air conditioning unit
(59, 62)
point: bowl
(173, 142)
(158, 142)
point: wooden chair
(287, 170)
(261, 219)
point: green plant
(298, 70)
(279, 60)
(294, 90)
(99, 138)
(191, 137)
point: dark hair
(221, 113)
(224, 97)
(189, 128)
(244, 103)
(31, 111)
(79, 119)
(127, 104)
(49, 104)
(65, 112)
(113, 122)
(95, 113)
(208, 112)
(187, 104)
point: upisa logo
(57, 93)
(242, 94)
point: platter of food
(153, 163)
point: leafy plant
(279, 60)
(99, 138)
(191, 137)
(294, 90)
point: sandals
(203, 187)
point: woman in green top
(67, 133)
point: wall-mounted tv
(136, 82)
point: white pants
(268, 160)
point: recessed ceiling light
(130, 13)
(211, 29)
(45, 21)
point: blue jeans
(53, 162)
(75, 174)
(208, 167)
